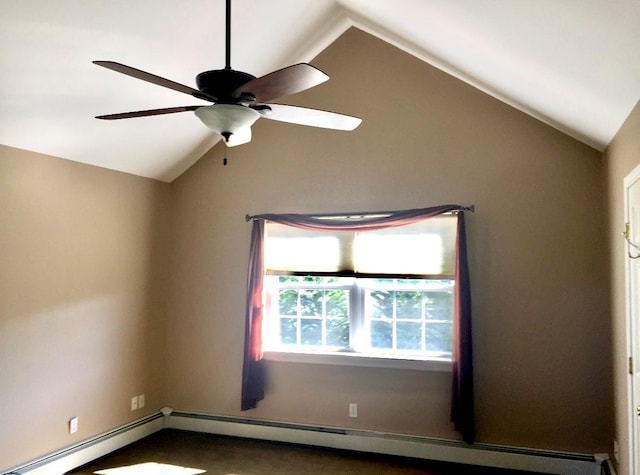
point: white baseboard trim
(88, 450)
(515, 458)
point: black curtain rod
(471, 208)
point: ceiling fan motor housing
(221, 83)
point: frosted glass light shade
(227, 119)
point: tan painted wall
(622, 156)
(81, 323)
(538, 255)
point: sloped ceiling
(574, 64)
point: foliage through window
(383, 293)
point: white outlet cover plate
(73, 425)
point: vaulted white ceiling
(574, 64)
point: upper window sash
(425, 248)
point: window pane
(381, 302)
(309, 311)
(381, 334)
(288, 331)
(311, 331)
(338, 332)
(439, 305)
(288, 302)
(409, 336)
(438, 337)
(409, 304)
(337, 303)
(311, 303)
(397, 310)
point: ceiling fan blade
(152, 78)
(283, 82)
(130, 115)
(306, 116)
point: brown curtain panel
(252, 369)
(462, 413)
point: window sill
(356, 359)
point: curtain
(462, 412)
(252, 369)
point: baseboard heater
(488, 455)
(88, 450)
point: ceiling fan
(239, 99)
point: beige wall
(537, 246)
(85, 266)
(81, 323)
(622, 156)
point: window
(383, 293)
(391, 261)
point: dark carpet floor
(172, 452)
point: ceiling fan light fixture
(239, 98)
(227, 119)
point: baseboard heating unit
(487, 455)
(88, 450)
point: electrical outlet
(141, 401)
(353, 409)
(73, 425)
(134, 403)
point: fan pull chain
(224, 160)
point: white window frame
(358, 354)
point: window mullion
(323, 318)
(299, 318)
(423, 316)
(394, 321)
(356, 317)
